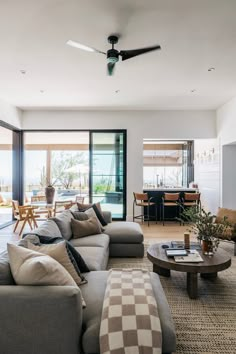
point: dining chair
(60, 206)
(25, 214)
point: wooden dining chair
(60, 206)
(25, 214)
(79, 199)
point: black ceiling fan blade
(110, 68)
(127, 54)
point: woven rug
(206, 325)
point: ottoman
(126, 239)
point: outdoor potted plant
(203, 225)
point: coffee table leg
(192, 285)
(161, 271)
(209, 275)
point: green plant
(203, 224)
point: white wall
(139, 125)
(226, 131)
(207, 172)
(226, 122)
(10, 114)
(229, 176)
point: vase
(49, 193)
(208, 247)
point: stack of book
(192, 257)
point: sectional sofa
(50, 319)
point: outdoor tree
(65, 167)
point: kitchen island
(158, 193)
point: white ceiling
(194, 35)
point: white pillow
(58, 252)
(33, 268)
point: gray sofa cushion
(96, 258)
(124, 232)
(94, 291)
(5, 270)
(48, 228)
(63, 222)
(100, 240)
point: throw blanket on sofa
(130, 322)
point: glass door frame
(17, 165)
(124, 132)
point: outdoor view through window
(76, 164)
(165, 163)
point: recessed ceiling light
(117, 91)
(193, 90)
(42, 91)
(23, 72)
(211, 69)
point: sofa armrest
(40, 319)
(107, 216)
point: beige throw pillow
(91, 214)
(85, 227)
(58, 252)
(33, 268)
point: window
(167, 163)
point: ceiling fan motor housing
(113, 56)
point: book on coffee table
(180, 245)
(192, 257)
(176, 252)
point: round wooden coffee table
(208, 269)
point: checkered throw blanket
(130, 322)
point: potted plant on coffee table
(203, 225)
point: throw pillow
(58, 252)
(79, 215)
(91, 214)
(85, 228)
(74, 255)
(33, 268)
(99, 215)
(63, 223)
(83, 207)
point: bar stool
(170, 200)
(142, 200)
(191, 200)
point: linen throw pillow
(97, 209)
(59, 252)
(91, 214)
(85, 228)
(33, 268)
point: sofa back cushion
(63, 222)
(33, 268)
(48, 228)
(5, 270)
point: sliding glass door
(108, 172)
(6, 144)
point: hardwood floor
(171, 231)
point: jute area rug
(206, 325)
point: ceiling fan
(113, 54)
